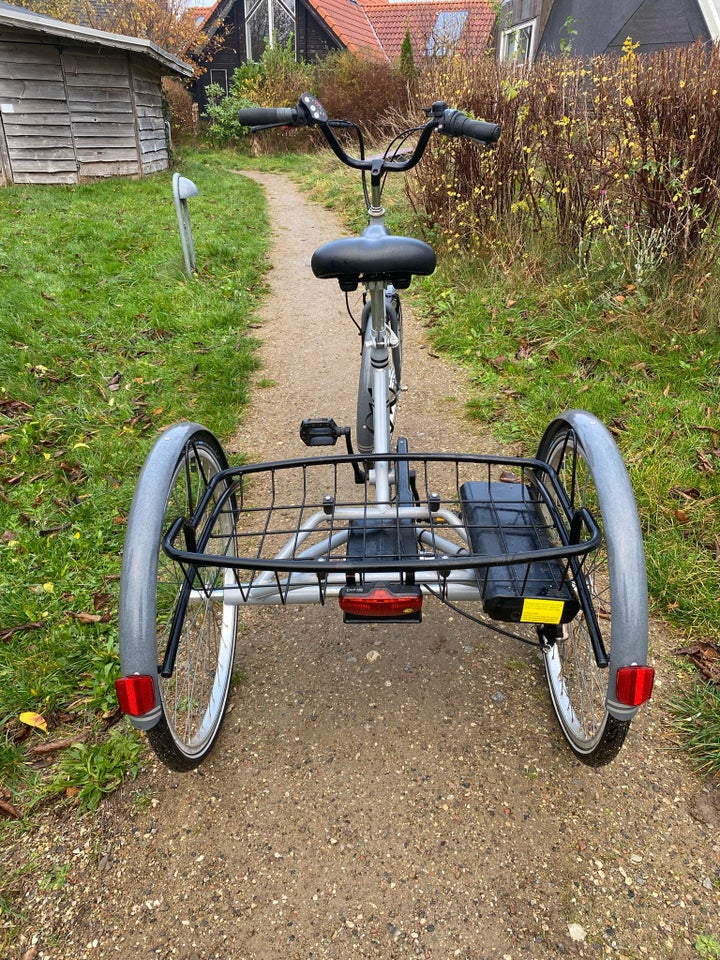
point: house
(77, 103)
(370, 28)
(528, 28)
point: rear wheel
(163, 605)
(610, 584)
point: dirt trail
(386, 793)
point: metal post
(182, 190)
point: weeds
(708, 948)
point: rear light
(633, 685)
(383, 602)
(136, 694)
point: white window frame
(222, 83)
(508, 40)
(710, 11)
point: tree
(407, 59)
(168, 23)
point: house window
(268, 22)
(516, 43)
(221, 78)
(446, 33)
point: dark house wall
(313, 37)
(312, 40)
(603, 27)
(227, 59)
(514, 12)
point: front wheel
(610, 584)
(163, 606)
(364, 436)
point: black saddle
(376, 255)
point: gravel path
(379, 792)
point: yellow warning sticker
(542, 611)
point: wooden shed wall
(77, 112)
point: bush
(276, 80)
(343, 81)
(615, 156)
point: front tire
(364, 426)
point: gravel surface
(382, 792)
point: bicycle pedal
(321, 432)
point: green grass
(104, 341)
(533, 352)
(708, 947)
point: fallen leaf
(686, 493)
(524, 350)
(32, 719)
(87, 617)
(704, 463)
(7, 809)
(681, 516)
(705, 654)
(43, 748)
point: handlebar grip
(457, 124)
(268, 116)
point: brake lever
(273, 126)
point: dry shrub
(621, 149)
(370, 93)
(181, 109)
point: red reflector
(633, 685)
(381, 602)
(136, 694)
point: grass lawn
(104, 341)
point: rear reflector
(381, 603)
(136, 694)
(633, 685)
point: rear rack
(461, 525)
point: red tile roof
(393, 19)
(350, 23)
(379, 26)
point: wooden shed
(77, 103)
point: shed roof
(12, 16)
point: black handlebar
(268, 116)
(457, 124)
(310, 112)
